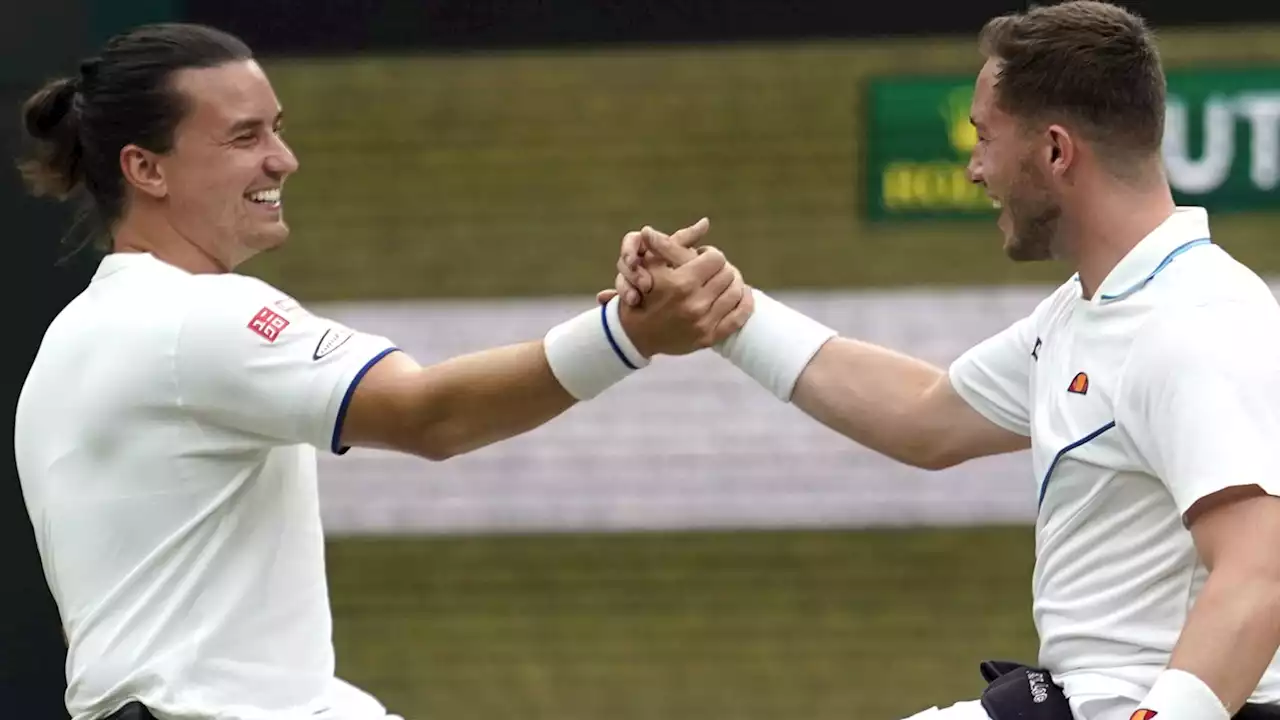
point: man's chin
(271, 238)
(1019, 251)
(1012, 250)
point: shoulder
(234, 288)
(1230, 339)
(1055, 305)
(1209, 276)
(231, 296)
(231, 312)
(1210, 305)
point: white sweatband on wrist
(591, 352)
(775, 345)
(1179, 695)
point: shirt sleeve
(249, 358)
(1200, 399)
(994, 376)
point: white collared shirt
(1162, 388)
(166, 440)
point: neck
(1107, 227)
(141, 232)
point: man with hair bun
(166, 435)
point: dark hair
(124, 96)
(1090, 63)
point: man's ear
(1061, 150)
(141, 169)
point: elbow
(436, 454)
(930, 450)
(924, 457)
(933, 459)
(438, 444)
(934, 464)
(437, 427)
(444, 437)
(436, 434)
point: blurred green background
(517, 173)
(749, 625)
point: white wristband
(1179, 695)
(775, 345)
(591, 352)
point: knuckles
(685, 286)
(695, 309)
(712, 257)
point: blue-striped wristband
(591, 352)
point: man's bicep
(383, 406)
(970, 432)
(252, 362)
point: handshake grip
(591, 352)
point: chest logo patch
(1079, 384)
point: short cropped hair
(1090, 64)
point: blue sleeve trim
(604, 320)
(346, 401)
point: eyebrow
(250, 123)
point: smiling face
(219, 187)
(1006, 161)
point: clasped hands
(677, 296)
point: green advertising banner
(1221, 144)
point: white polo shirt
(1161, 389)
(165, 440)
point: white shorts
(1089, 707)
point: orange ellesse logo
(1080, 384)
(1143, 715)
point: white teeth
(996, 204)
(269, 197)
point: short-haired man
(1147, 387)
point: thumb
(690, 236)
(676, 249)
(604, 296)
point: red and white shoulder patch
(268, 323)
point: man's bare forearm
(455, 406)
(897, 405)
(871, 395)
(1231, 634)
(482, 398)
